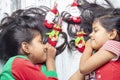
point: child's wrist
(50, 63)
(50, 60)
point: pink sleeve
(112, 46)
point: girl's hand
(51, 51)
(88, 45)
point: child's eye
(95, 30)
(41, 42)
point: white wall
(4, 7)
(8, 6)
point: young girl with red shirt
(21, 44)
(101, 57)
(105, 41)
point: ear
(25, 48)
(113, 34)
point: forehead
(36, 33)
(96, 24)
(37, 37)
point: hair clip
(54, 34)
(49, 18)
(80, 41)
(75, 12)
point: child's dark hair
(110, 22)
(14, 31)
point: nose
(45, 48)
(90, 35)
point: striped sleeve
(112, 46)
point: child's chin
(43, 60)
(95, 48)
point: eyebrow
(94, 27)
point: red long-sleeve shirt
(18, 68)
